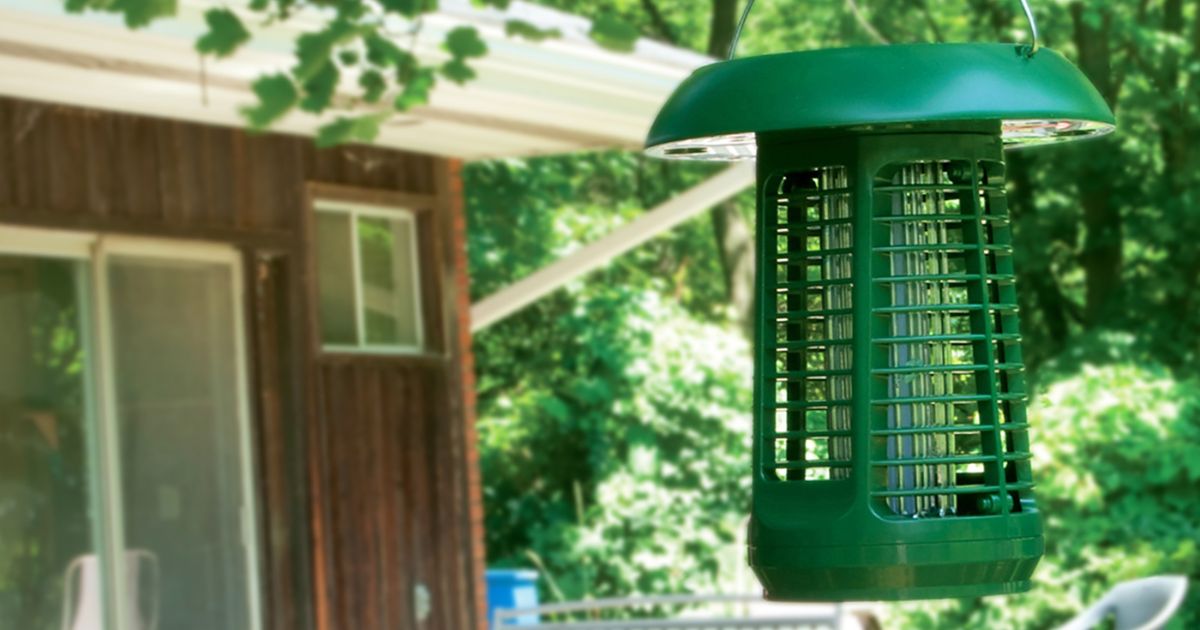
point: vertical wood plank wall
(368, 474)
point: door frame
(93, 249)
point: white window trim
(392, 213)
(93, 249)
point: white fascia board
(530, 98)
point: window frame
(390, 205)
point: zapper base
(897, 571)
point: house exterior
(236, 385)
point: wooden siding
(366, 469)
(390, 493)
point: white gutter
(671, 213)
(557, 96)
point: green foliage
(350, 129)
(355, 40)
(614, 33)
(137, 13)
(521, 28)
(276, 95)
(457, 71)
(410, 8)
(354, 32)
(464, 43)
(319, 86)
(1117, 474)
(225, 33)
(661, 521)
(373, 85)
(416, 90)
(618, 458)
(614, 410)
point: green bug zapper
(891, 453)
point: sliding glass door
(125, 485)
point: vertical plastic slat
(989, 348)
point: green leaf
(406, 67)
(410, 8)
(499, 4)
(276, 95)
(614, 33)
(225, 33)
(348, 57)
(373, 85)
(314, 50)
(416, 90)
(259, 5)
(351, 10)
(457, 71)
(463, 43)
(320, 87)
(383, 53)
(521, 28)
(138, 13)
(350, 129)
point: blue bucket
(509, 589)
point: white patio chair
(82, 608)
(1146, 604)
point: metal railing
(708, 612)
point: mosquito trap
(891, 452)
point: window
(368, 278)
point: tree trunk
(1178, 156)
(1101, 257)
(735, 239)
(1175, 136)
(722, 26)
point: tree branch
(865, 23)
(1196, 35)
(929, 19)
(660, 23)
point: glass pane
(335, 279)
(389, 292)
(46, 540)
(178, 422)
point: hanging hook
(737, 34)
(1033, 29)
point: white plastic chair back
(1146, 604)
(82, 599)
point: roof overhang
(556, 96)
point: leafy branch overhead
(363, 47)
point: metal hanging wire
(1034, 46)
